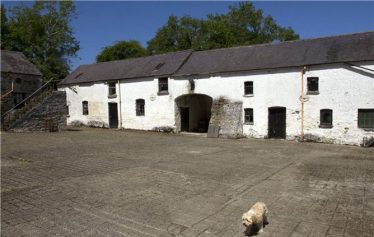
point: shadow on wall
(93, 124)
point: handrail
(6, 94)
(27, 98)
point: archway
(192, 112)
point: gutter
(302, 100)
(120, 106)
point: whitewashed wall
(340, 89)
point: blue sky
(100, 24)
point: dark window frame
(313, 85)
(163, 86)
(140, 107)
(248, 116)
(112, 89)
(365, 119)
(326, 118)
(248, 88)
(85, 107)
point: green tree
(43, 33)
(4, 28)
(121, 50)
(242, 25)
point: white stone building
(317, 89)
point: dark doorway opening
(277, 122)
(113, 115)
(185, 119)
(193, 112)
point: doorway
(113, 115)
(277, 122)
(193, 113)
(185, 119)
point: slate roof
(151, 66)
(16, 62)
(334, 49)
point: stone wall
(51, 109)
(228, 116)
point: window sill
(163, 93)
(249, 95)
(368, 129)
(112, 96)
(325, 126)
(312, 93)
(248, 123)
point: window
(248, 88)
(366, 118)
(158, 66)
(248, 116)
(112, 89)
(85, 107)
(163, 85)
(325, 118)
(312, 85)
(140, 107)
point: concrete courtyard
(99, 182)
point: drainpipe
(120, 106)
(302, 103)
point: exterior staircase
(43, 110)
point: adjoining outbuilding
(315, 89)
(19, 78)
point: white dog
(256, 217)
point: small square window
(85, 107)
(325, 118)
(312, 85)
(248, 88)
(112, 89)
(366, 118)
(163, 87)
(248, 116)
(140, 107)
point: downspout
(302, 103)
(120, 106)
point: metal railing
(27, 104)
(6, 94)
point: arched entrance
(192, 112)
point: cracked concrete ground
(99, 182)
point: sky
(102, 23)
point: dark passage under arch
(193, 112)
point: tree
(43, 33)
(242, 25)
(121, 50)
(177, 34)
(4, 28)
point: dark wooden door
(277, 122)
(185, 119)
(113, 115)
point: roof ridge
(11, 51)
(286, 42)
(129, 59)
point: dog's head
(247, 219)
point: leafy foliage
(43, 33)
(121, 50)
(242, 25)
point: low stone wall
(228, 116)
(52, 111)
